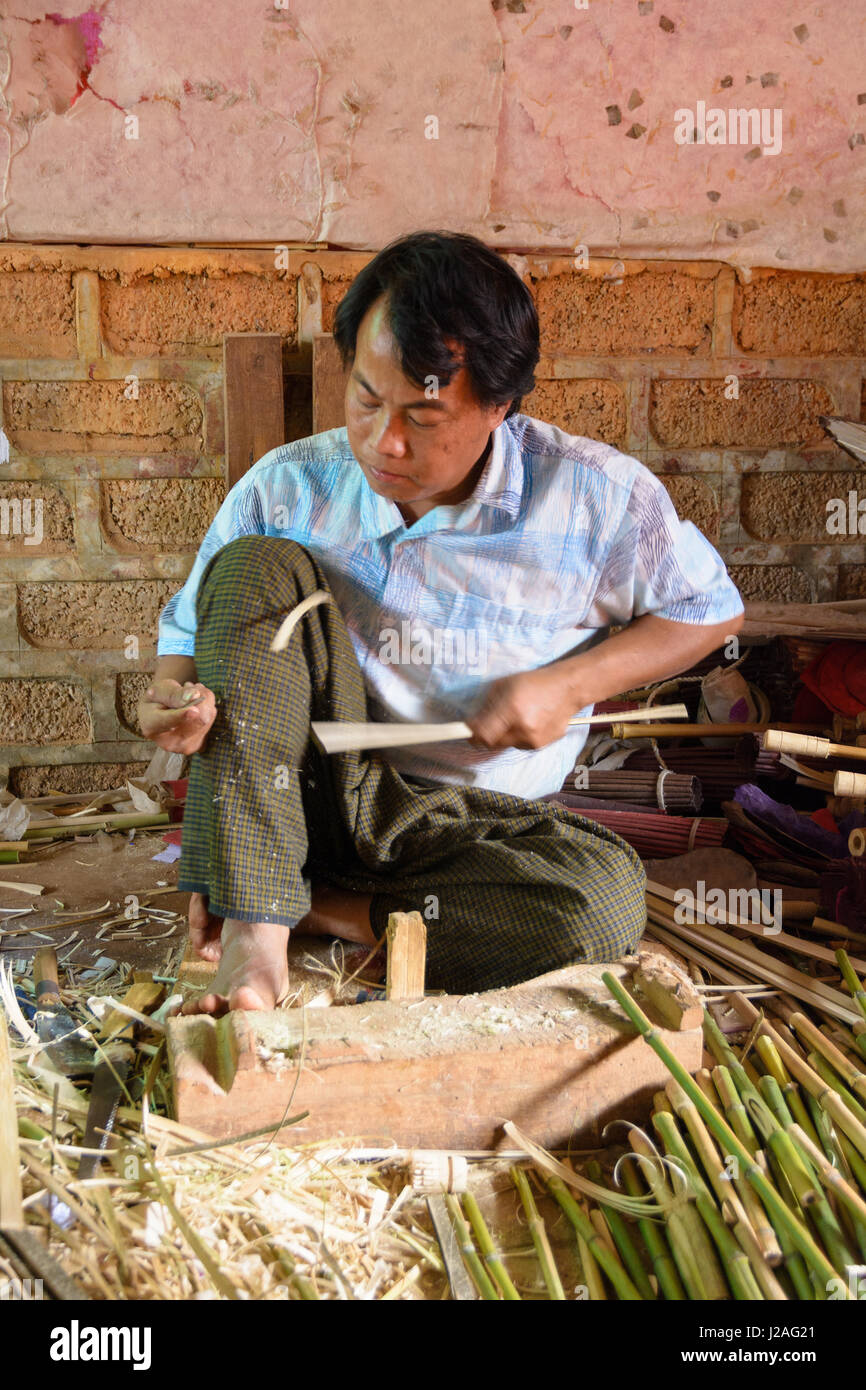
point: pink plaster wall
(259, 123)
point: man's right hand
(169, 717)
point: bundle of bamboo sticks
(669, 791)
(652, 833)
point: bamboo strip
(343, 736)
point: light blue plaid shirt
(562, 537)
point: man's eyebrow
(422, 404)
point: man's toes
(245, 997)
(215, 1004)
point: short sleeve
(663, 566)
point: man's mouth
(383, 477)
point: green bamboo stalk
(779, 1212)
(657, 1247)
(690, 1245)
(851, 1075)
(772, 1093)
(492, 1258)
(775, 1067)
(10, 856)
(735, 1261)
(622, 1283)
(826, 1073)
(827, 1138)
(471, 1259)
(855, 987)
(732, 1192)
(622, 1238)
(809, 1194)
(704, 1079)
(538, 1231)
(591, 1272)
(735, 1110)
(89, 825)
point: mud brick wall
(111, 395)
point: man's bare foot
(253, 972)
(337, 912)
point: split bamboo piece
(780, 741)
(338, 736)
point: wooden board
(329, 385)
(556, 1055)
(253, 390)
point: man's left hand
(529, 710)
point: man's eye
(368, 405)
(420, 424)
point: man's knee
(618, 907)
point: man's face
(416, 451)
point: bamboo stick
(780, 1213)
(657, 730)
(669, 1283)
(470, 1255)
(50, 829)
(850, 1074)
(491, 1255)
(596, 1248)
(622, 1238)
(857, 991)
(735, 1261)
(343, 736)
(780, 741)
(538, 1231)
(690, 1244)
(849, 784)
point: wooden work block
(556, 1055)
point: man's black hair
(441, 287)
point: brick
(650, 311)
(37, 314)
(95, 615)
(333, 289)
(129, 689)
(44, 711)
(786, 313)
(768, 413)
(71, 777)
(57, 527)
(772, 583)
(852, 582)
(95, 416)
(159, 513)
(695, 501)
(594, 408)
(181, 314)
(792, 507)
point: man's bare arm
(533, 708)
(176, 711)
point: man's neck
(413, 511)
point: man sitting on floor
(475, 560)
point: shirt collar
(500, 486)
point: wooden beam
(254, 406)
(329, 385)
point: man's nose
(389, 437)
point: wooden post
(329, 385)
(407, 956)
(254, 403)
